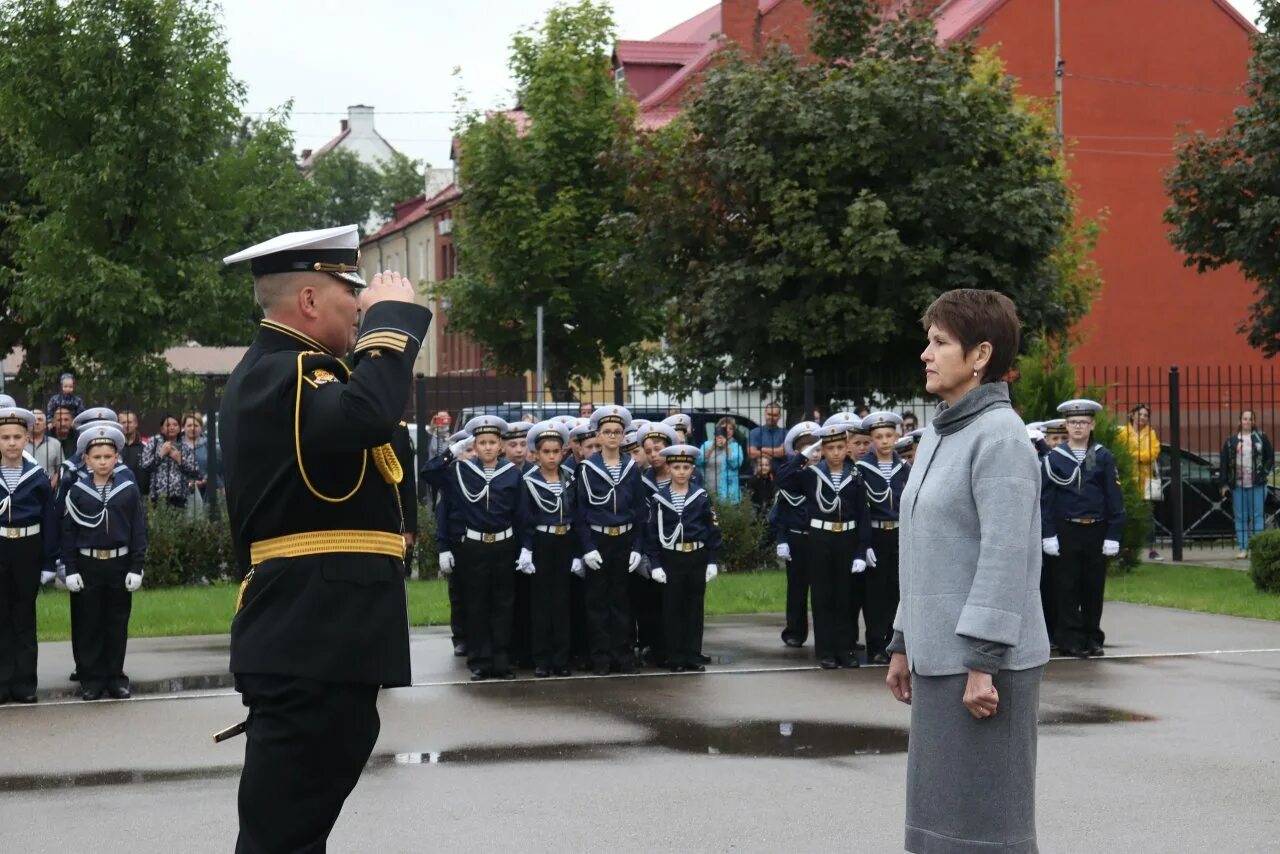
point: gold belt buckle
(488, 538)
(13, 533)
(613, 531)
(561, 529)
(102, 554)
(837, 527)
(687, 546)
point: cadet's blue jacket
(449, 526)
(73, 468)
(790, 512)
(487, 506)
(696, 523)
(543, 506)
(32, 502)
(827, 503)
(883, 496)
(92, 522)
(602, 502)
(1074, 490)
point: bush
(743, 547)
(183, 550)
(426, 559)
(1264, 561)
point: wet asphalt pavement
(1170, 744)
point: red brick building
(1138, 73)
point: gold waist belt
(323, 542)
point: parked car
(1206, 513)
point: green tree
(1224, 197)
(539, 192)
(803, 214)
(401, 178)
(137, 174)
(352, 189)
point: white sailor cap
(639, 425)
(631, 442)
(1079, 406)
(11, 414)
(804, 428)
(907, 441)
(94, 413)
(517, 430)
(681, 454)
(547, 430)
(490, 425)
(458, 437)
(335, 251)
(665, 432)
(7, 402)
(582, 431)
(1035, 425)
(1054, 425)
(876, 420)
(611, 413)
(844, 417)
(679, 421)
(917, 434)
(838, 432)
(90, 425)
(567, 420)
(99, 434)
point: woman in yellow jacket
(1144, 444)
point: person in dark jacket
(131, 454)
(790, 521)
(1246, 464)
(884, 475)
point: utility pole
(1059, 67)
(538, 374)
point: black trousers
(882, 590)
(19, 583)
(857, 604)
(646, 611)
(521, 652)
(1048, 596)
(457, 607)
(488, 577)
(549, 599)
(608, 597)
(101, 622)
(308, 741)
(830, 574)
(1080, 579)
(797, 628)
(683, 598)
(579, 625)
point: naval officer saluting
(311, 484)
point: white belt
(885, 525)
(558, 530)
(19, 533)
(105, 554)
(683, 547)
(482, 537)
(837, 527)
(611, 530)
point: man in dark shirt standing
(766, 441)
(131, 453)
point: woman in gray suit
(969, 642)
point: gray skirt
(971, 784)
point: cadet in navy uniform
(612, 510)
(311, 485)
(515, 450)
(646, 594)
(548, 547)
(104, 548)
(682, 541)
(73, 466)
(838, 540)
(449, 529)
(1082, 518)
(515, 445)
(29, 535)
(790, 520)
(884, 475)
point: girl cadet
(548, 546)
(682, 540)
(610, 521)
(838, 539)
(485, 494)
(885, 476)
(104, 548)
(1081, 518)
(646, 594)
(790, 520)
(28, 551)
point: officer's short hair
(974, 316)
(271, 289)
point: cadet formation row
(612, 538)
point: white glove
(446, 563)
(712, 571)
(458, 447)
(577, 569)
(75, 583)
(859, 566)
(1110, 548)
(592, 559)
(813, 452)
(1050, 546)
(132, 582)
(871, 558)
(658, 575)
(1034, 435)
(633, 562)
(784, 551)
(524, 563)
(46, 577)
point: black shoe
(857, 647)
(91, 694)
(479, 674)
(705, 659)
(696, 668)
(23, 697)
(118, 693)
(75, 676)
(504, 674)
(600, 670)
(793, 643)
(879, 658)
(562, 671)
(1095, 651)
(828, 664)
(459, 650)
(679, 668)
(1074, 653)
(850, 662)
(541, 672)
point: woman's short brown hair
(974, 316)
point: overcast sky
(400, 56)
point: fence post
(1175, 467)
(617, 386)
(211, 476)
(808, 394)
(420, 407)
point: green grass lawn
(207, 610)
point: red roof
(699, 28)
(413, 210)
(656, 52)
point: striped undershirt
(662, 484)
(836, 478)
(555, 486)
(615, 471)
(677, 501)
(1079, 453)
(11, 475)
(488, 471)
(886, 469)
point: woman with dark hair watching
(969, 642)
(1246, 464)
(170, 463)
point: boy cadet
(29, 535)
(631, 447)
(311, 506)
(583, 442)
(612, 510)
(548, 545)
(1082, 518)
(790, 520)
(646, 593)
(485, 492)
(73, 464)
(104, 548)
(449, 529)
(682, 424)
(858, 442)
(682, 541)
(1055, 432)
(838, 540)
(515, 450)
(884, 475)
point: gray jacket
(969, 567)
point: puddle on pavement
(44, 782)
(1092, 715)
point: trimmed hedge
(184, 550)
(1264, 561)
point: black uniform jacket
(95, 518)
(32, 503)
(306, 448)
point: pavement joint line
(205, 695)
